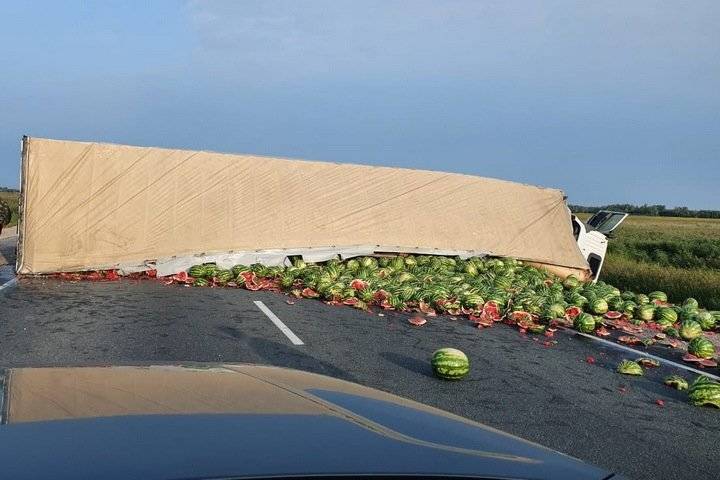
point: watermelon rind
(677, 382)
(628, 367)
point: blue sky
(611, 101)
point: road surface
(548, 394)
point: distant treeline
(651, 210)
(6, 189)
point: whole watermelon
(704, 391)
(584, 323)
(201, 282)
(599, 306)
(628, 308)
(616, 303)
(571, 282)
(196, 271)
(450, 364)
(665, 316)
(690, 329)
(657, 295)
(641, 299)
(691, 303)
(645, 312)
(706, 320)
(577, 299)
(555, 310)
(223, 275)
(628, 295)
(701, 347)
(671, 332)
(687, 313)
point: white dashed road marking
(9, 284)
(278, 323)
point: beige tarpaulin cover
(88, 206)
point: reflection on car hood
(220, 421)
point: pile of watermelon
(486, 290)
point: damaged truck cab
(592, 237)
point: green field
(12, 199)
(680, 256)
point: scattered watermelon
(584, 323)
(666, 315)
(701, 347)
(691, 303)
(599, 306)
(677, 382)
(645, 312)
(662, 296)
(690, 329)
(450, 364)
(613, 315)
(628, 367)
(648, 362)
(706, 320)
(704, 391)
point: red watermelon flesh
(572, 312)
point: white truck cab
(592, 237)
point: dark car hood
(176, 422)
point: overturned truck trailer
(93, 206)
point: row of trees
(651, 210)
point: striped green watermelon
(628, 367)
(691, 303)
(616, 303)
(599, 306)
(571, 282)
(704, 391)
(671, 332)
(237, 269)
(223, 276)
(641, 299)
(201, 282)
(196, 271)
(677, 382)
(706, 320)
(687, 313)
(701, 347)
(645, 312)
(628, 308)
(628, 295)
(450, 364)
(555, 310)
(690, 329)
(657, 295)
(577, 299)
(665, 316)
(584, 323)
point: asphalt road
(548, 394)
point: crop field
(680, 256)
(12, 199)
